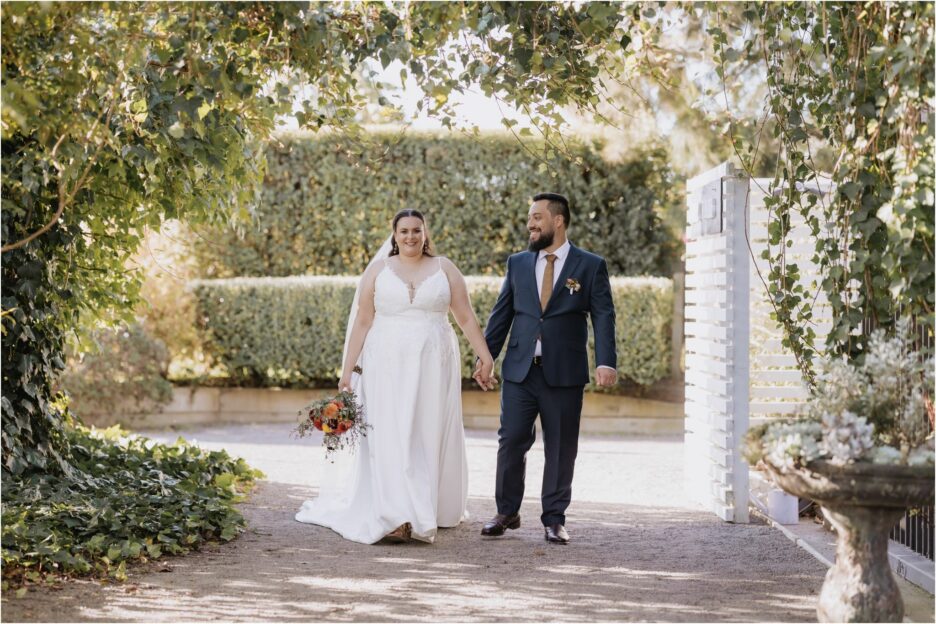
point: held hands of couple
(484, 374)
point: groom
(543, 303)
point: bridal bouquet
(340, 418)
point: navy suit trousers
(560, 411)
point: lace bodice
(431, 297)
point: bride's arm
(362, 323)
(465, 316)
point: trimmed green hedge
(324, 211)
(290, 331)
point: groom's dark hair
(558, 205)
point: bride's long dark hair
(428, 249)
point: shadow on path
(626, 562)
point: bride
(409, 475)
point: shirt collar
(560, 253)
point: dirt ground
(638, 553)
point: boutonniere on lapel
(573, 285)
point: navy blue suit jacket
(562, 326)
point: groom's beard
(545, 240)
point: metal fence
(915, 531)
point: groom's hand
(605, 376)
(486, 383)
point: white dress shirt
(561, 254)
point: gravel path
(638, 553)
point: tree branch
(63, 199)
(45, 228)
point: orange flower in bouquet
(340, 418)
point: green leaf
(177, 130)
(224, 480)
(204, 109)
(121, 572)
(850, 190)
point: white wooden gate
(717, 342)
(736, 368)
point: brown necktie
(546, 290)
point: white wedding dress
(411, 466)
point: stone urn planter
(863, 502)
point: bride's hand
(344, 383)
(485, 375)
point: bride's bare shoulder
(447, 265)
(373, 270)
(451, 271)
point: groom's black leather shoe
(556, 534)
(496, 526)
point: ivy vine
(858, 80)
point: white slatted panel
(716, 358)
(737, 370)
(777, 387)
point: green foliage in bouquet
(340, 418)
(324, 204)
(290, 331)
(126, 499)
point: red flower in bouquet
(340, 418)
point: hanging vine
(851, 91)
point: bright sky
(472, 108)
